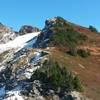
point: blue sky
(15, 13)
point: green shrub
(83, 53)
(77, 83)
(72, 51)
(93, 29)
(58, 77)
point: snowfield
(26, 40)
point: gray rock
(27, 29)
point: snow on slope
(14, 94)
(26, 40)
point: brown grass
(87, 68)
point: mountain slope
(15, 70)
(20, 61)
(60, 25)
(87, 68)
(20, 42)
(6, 34)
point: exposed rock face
(15, 70)
(43, 38)
(27, 29)
(6, 34)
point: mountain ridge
(6, 34)
(19, 65)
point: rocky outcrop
(6, 34)
(43, 38)
(52, 26)
(16, 69)
(27, 29)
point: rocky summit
(27, 29)
(60, 62)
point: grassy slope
(87, 68)
(94, 38)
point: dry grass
(90, 74)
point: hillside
(87, 68)
(6, 34)
(60, 62)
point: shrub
(83, 53)
(77, 83)
(58, 77)
(93, 29)
(72, 51)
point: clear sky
(15, 13)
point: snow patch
(20, 42)
(14, 94)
